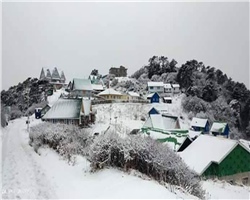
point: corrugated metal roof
(97, 87)
(64, 109)
(157, 84)
(207, 149)
(198, 122)
(110, 91)
(133, 94)
(218, 127)
(159, 121)
(82, 84)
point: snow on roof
(198, 122)
(133, 94)
(82, 84)
(153, 84)
(193, 134)
(97, 87)
(167, 98)
(175, 85)
(207, 149)
(167, 85)
(218, 127)
(158, 121)
(64, 109)
(86, 107)
(150, 95)
(245, 143)
(110, 91)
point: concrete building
(118, 72)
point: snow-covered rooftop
(205, 150)
(155, 84)
(218, 127)
(167, 98)
(64, 109)
(159, 121)
(246, 143)
(167, 85)
(110, 91)
(82, 84)
(97, 87)
(175, 85)
(198, 122)
(133, 94)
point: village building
(97, 88)
(167, 100)
(192, 135)
(199, 124)
(176, 88)
(154, 98)
(54, 76)
(71, 111)
(133, 96)
(118, 72)
(153, 111)
(111, 94)
(168, 88)
(156, 87)
(81, 88)
(171, 89)
(161, 122)
(220, 128)
(218, 157)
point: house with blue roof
(153, 111)
(199, 124)
(154, 98)
(220, 128)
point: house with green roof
(81, 88)
(219, 157)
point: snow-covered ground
(27, 174)
(128, 115)
(53, 98)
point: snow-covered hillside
(27, 174)
(30, 175)
(128, 115)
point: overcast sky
(78, 37)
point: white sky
(78, 37)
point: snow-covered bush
(15, 113)
(145, 155)
(67, 140)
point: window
(245, 180)
(158, 88)
(151, 88)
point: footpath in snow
(28, 175)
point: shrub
(67, 140)
(145, 155)
(15, 113)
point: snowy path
(22, 176)
(27, 175)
